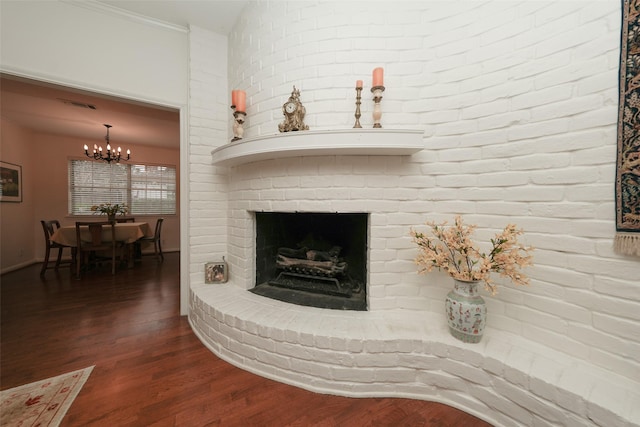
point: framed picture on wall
(10, 182)
(215, 272)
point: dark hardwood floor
(150, 369)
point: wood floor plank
(150, 369)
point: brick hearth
(505, 379)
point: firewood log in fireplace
(311, 254)
(311, 262)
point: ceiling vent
(78, 104)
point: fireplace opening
(312, 259)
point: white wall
(209, 115)
(518, 102)
(80, 45)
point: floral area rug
(627, 240)
(43, 403)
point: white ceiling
(54, 109)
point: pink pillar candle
(241, 101)
(358, 84)
(378, 79)
(234, 97)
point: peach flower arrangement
(450, 248)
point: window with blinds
(146, 189)
(153, 189)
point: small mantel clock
(294, 112)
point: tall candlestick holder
(238, 121)
(377, 110)
(358, 93)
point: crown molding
(122, 13)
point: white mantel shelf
(363, 142)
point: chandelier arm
(111, 156)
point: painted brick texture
(505, 380)
(518, 103)
(207, 129)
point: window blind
(153, 189)
(146, 189)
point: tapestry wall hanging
(627, 240)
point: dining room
(117, 241)
(43, 132)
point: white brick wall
(518, 104)
(208, 117)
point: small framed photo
(10, 182)
(215, 272)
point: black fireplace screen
(313, 259)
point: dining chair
(49, 227)
(89, 246)
(156, 239)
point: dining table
(126, 232)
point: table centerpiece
(110, 210)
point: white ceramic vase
(466, 311)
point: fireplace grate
(310, 283)
(357, 301)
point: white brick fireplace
(515, 103)
(396, 348)
(328, 172)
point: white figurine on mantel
(238, 121)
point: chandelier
(111, 156)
